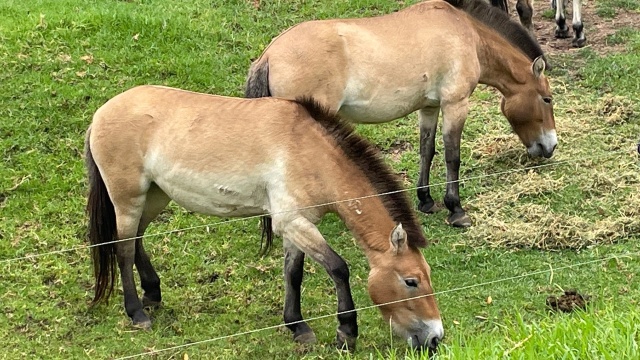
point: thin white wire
(82, 247)
(515, 277)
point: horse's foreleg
(454, 116)
(578, 28)
(428, 118)
(293, 272)
(562, 30)
(525, 13)
(306, 237)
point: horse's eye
(411, 282)
(547, 100)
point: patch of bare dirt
(569, 302)
(597, 29)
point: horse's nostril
(433, 343)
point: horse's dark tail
(267, 232)
(102, 229)
(257, 86)
(258, 81)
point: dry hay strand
(508, 217)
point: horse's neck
(366, 216)
(503, 66)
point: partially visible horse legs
(133, 216)
(305, 236)
(562, 30)
(454, 116)
(525, 13)
(428, 118)
(524, 8)
(156, 201)
(293, 273)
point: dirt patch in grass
(570, 301)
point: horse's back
(211, 154)
(375, 69)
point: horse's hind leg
(562, 30)
(293, 272)
(156, 201)
(428, 118)
(525, 13)
(454, 116)
(128, 218)
(578, 28)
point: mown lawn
(572, 221)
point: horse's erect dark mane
(500, 21)
(368, 159)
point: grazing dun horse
(428, 57)
(235, 157)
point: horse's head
(402, 273)
(530, 112)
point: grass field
(570, 222)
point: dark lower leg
(149, 279)
(525, 13)
(293, 272)
(337, 268)
(457, 216)
(580, 39)
(132, 303)
(428, 126)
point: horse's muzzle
(545, 145)
(428, 338)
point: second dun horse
(235, 157)
(428, 57)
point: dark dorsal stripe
(368, 159)
(500, 21)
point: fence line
(487, 283)
(230, 220)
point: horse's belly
(215, 194)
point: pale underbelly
(215, 196)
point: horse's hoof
(460, 220)
(148, 303)
(305, 338)
(562, 33)
(579, 42)
(345, 342)
(428, 208)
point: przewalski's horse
(235, 157)
(428, 57)
(562, 30)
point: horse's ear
(538, 66)
(398, 239)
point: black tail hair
(257, 84)
(102, 229)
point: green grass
(609, 9)
(63, 59)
